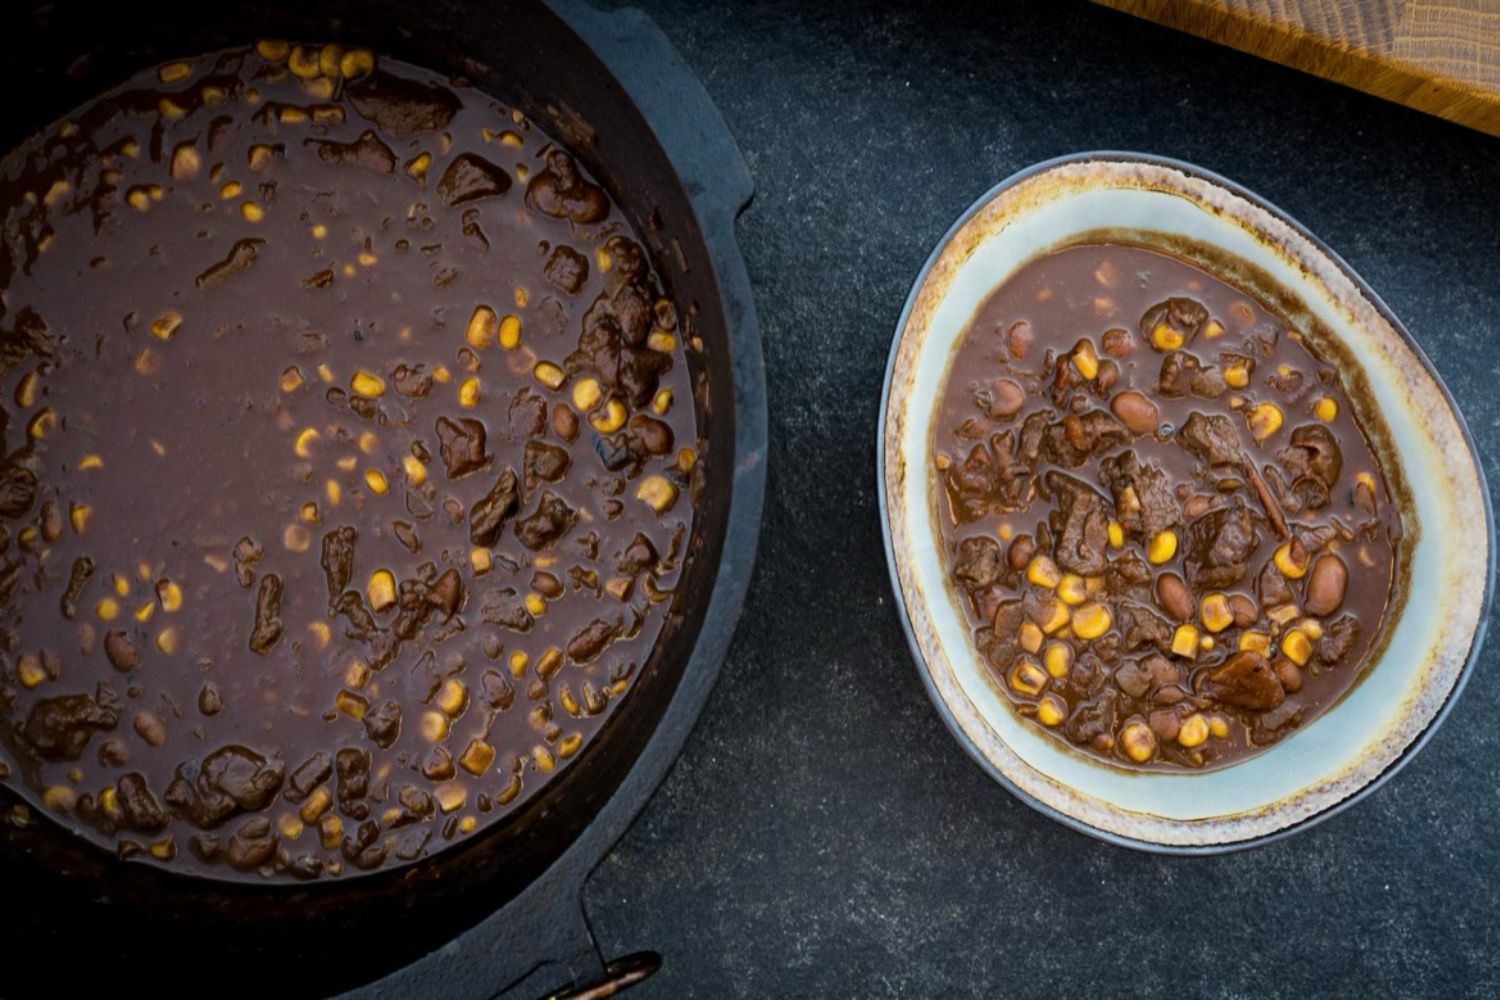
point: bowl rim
(1378, 304)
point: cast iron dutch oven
(501, 913)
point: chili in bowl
(1184, 527)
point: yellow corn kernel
(1292, 559)
(480, 561)
(271, 49)
(1030, 636)
(662, 403)
(1326, 409)
(1255, 642)
(1116, 535)
(1027, 678)
(482, 328)
(174, 72)
(1362, 479)
(78, 516)
(1091, 621)
(109, 800)
(296, 538)
(28, 388)
(661, 340)
(145, 611)
(357, 63)
(310, 513)
(416, 472)
(290, 826)
(1295, 646)
(1265, 420)
(1043, 572)
(88, 462)
(604, 260)
(1218, 726)
(29, 670)
(369, 443)
(376, 481)
(318, 802)
(1164, 338)
(1057, 617)
(1086, 359)
(251, 212)
(1051, 710)
(333, 491)
(549, 663)
(166, 640)
(1237, 375)
(122, 585)
(170, 595)
(1312, 628)
(586, 394)
(1214, 612)
(302, 446)
(185, 161)
(291, 379)
(1212, 329)
(468, 393)
(381, 589)
(535, 604)
(477, 757)
(107, 609)
(453, 697)
(1058, 659)
(1194, 731)
(59, 798)
(165, 326)
(43, 424)
(518, 663)
(1072, 589)
(170, 109)
(510, 332)
(304, 63)
(357, 674)
(657, 492)
(352, 704)
(1138, 741)
(322, 635)
(367, 384)
(549, 375)
(609, 419)
(1185, 641)
(1162, 547)
(434, 726)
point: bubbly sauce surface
(349, 448)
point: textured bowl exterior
(1435, 624)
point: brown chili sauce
(1173, 543)
(349, 444)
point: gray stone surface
(823, 835)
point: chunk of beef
(367, 151)
(1313, 453)
(268, 626)
(1081, 524)
(1076, 438)
(566, 269)
(1090, 720)
(1219, 544)
(17, 490)
(1141, 626)
(470, 177)
(543, 462)
(1144, 502)
(527, 414)
(338, 560)
(1338, 640)
(230, 780)
(1178, 370)
(1211, 439)
(487, 518)
(561, 191)
(551, 520)
(139, 808)
(591, 640)
(60, 728)
(1245, 680)
(401, 107)
(461, 445)
(1182, 316)
(503, 606)
(979, 562)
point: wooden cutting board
(1439, 56)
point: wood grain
(1439, 56)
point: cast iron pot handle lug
(672, 99)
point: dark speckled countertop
(822, 834)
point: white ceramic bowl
(1435, 626)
